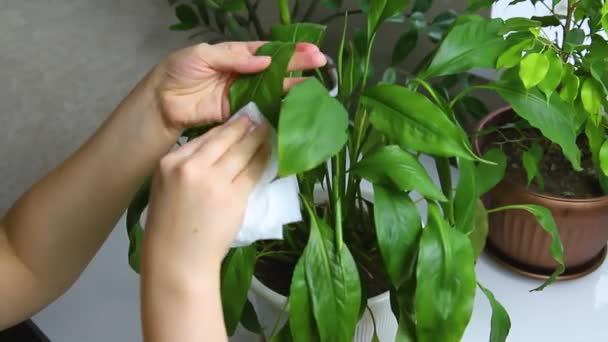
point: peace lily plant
(351, 240)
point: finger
(304, 60)
(239, 155)
(251, 174)
(226, 136)
(288, 83)
(234, 57)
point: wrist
(153, 82)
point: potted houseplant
(361, 258)
(553, 135)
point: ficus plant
(378, 133)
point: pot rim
(275, 297)
(476, 145)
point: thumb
(236, 57)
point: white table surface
(104, 304)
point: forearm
(188, 310)
(57, 226)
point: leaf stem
(569, 15)
(336, 15)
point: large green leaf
(500, 323)
(333, 282)
(479, 235)
(237, 271)
(545, 220)
(413, 121)
(266, 87)
(465, 198)
(135, 231)
(458, 52)
(445, 275)
(398, 230)
(302, 321)
(488, 175)
(554, 119)
(393, 166)
(300, 32)
(312, 128)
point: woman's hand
(199, 196)
(194, 83)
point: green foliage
(237, 271)
(531, 159)
(501, 323)
(533, 68)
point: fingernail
(306, 47)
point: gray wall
(65, 64)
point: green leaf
(249, 319)
(417, 21)
(440, 25)
(300, 32)
(475, 5)
(237, 271)
(413, 121)
(479, 234)
(531, 158)
(284, 335)
(134, 230)
(574, 39)
(599, 71)
(301, 321)
(422, 5)
(487, 175)
(466, 194)
(351, 73)
(405, 45)
(596, 135)
(549, 20)
(518, 25)
(213, 4)
(570, 84)
(553, 119)
(474, 106)
(445, 275)
(186, 14)
(391, 165)
(201, 6)
(333, 282)
(533, 68)
(591, 97)
(380, 10)
(501, 323)
(234, 5)
(603, 156)
(182, 27)
(312, 128)
(398, 230)
(512, 56)
(459, 53)
(333, 4)
(266, 87)
(389, 76)
(236, 31)
(554, 75)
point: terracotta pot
(515, 236)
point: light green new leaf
(404, 46)
(603, 156)
(545, 220)
(458, 52)
(533, 68)
(393, 166)
(553, 119)
(512, 56)
(237, 271)
(301, 321)
(500, 323)
(398, 230)
(531, 158)
(445, 276)
(300, 32)
(554, 75)
(488, 175)
(413, 121)
(333, 282)
(591, 97)
(312, 128)
(570, 84)
(479, 235)
(466, 194)
(266, 87)
(518, 24)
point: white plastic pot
(270, 305)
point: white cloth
(273, 202)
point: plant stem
(336, 15)
(284, 12)
(311, 10)
(253, 17)
(569, 15)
